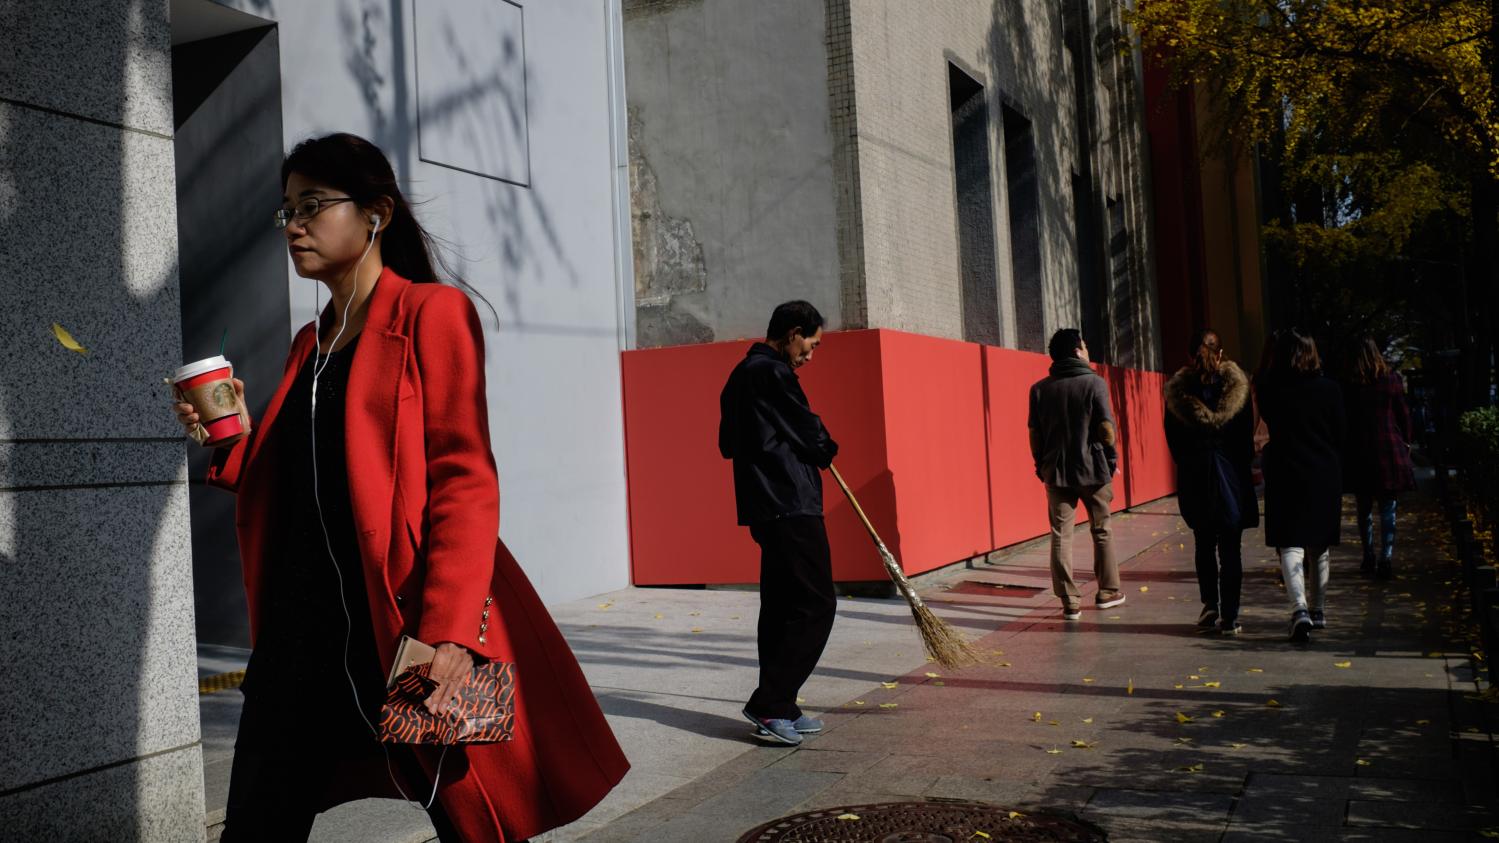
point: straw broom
(942, 642)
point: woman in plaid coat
(1379, 458)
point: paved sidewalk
(1134, 720)
(1366, 751)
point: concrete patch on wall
(641, 8)
(668, 257)
(667, 324)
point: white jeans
(1301, 583)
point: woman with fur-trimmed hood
(1210, 431)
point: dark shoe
(1208, 618)
(1383, 571)
(774, 730)
(1301, 626)
(1366, 569)
(1109, 599)
(805, 725)
(1072, 611)
(1319, 620)
(1229, 627)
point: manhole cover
(922, 822)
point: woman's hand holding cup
(188, 416)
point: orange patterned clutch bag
(483, 713)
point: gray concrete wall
(901, 53)
(98, 710)
(499, 118)
(731, 161)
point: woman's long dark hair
(357, 167)
(1370, 364)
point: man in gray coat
(1072, 442)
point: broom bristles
(942, 642)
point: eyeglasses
(306, 209)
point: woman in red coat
(368, 508)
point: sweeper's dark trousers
(797, 604)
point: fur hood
(1189, 408)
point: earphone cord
(317, 371)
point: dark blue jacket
(777, 443)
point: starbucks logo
(223, 396)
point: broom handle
(855, 502)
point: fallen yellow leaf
(890, 684)
(696, 630)
(1238, 745)
(67, 339)
(931, 675)
(1015, 815)
(858, 702)
(1362, 762)
(1082, 744)
(1144, 588)
(1053, 751)
(1183, 718)
(1129, 687)
(1256, 670)
(889, 705)
(848, 817)
(799, 700)
(1004, 664)
(694, 614)
(659, 616)
(1342, 664)
(1087, 679)
(605, 605)
(1036, 717)
(1213, 684)
(1194, 676)
(1087, 720)
(1423, 722)
(1194, 768)
(1218, 713)
(980, 834)
(1273, 703)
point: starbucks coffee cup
(208, 385)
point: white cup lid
(207, 364)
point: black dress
(301, 727)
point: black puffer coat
(1210, 431)
(1303, 462)
(777, 443)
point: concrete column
(99, 734)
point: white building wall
(543, 251)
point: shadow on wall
(487, 107)
(88, 569)
(1030, 54)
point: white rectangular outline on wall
(525, 92)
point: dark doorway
(974, 185)
(232, 271)
(1025, 229)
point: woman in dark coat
(1210, 431)
(1303, 473)
(1379, 464)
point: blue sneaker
(807, 725)
(774, 730)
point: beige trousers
(1062, 508)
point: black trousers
(1220, 570)
(281, 774)
(797, 604)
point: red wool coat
(425, 498)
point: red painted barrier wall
(932, 438)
